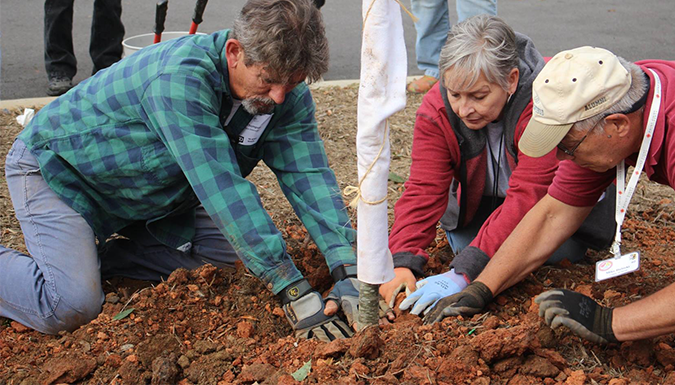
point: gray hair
(482, 43)
(638, 87)
(287, 37)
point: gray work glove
(346, 294)
(581, 314)
(304, 310)
(469, 301)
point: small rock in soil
(19, 328)
(245, 329)
(256, 372)
(366, 343)
(539, 367)
(164, 370)
(152, 347)
(418, 375)
(68, 368)
(577, 377)
(334, 348)
(126, 347)
(279, 312)
(521, 379)
(183, 361)
(359, 368)
(665, 354)
(112, 298)
(639, 352)
(205, 347)
(287, 379)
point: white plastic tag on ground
(26, 117)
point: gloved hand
(304, 310)
(469, 301)
(578, 312)
(346, 294)
(430, 290)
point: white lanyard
(625, 193)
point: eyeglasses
(571, 152)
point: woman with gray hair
(466, 169)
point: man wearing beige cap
(601, 112)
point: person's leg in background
(58, 286)
(141, 256)
(432, 29)
(468, 8)
(572, 250)
(60, 62)
(462, 237)
(107, 33)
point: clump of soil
(212, 326)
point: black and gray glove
(578, 312)
(346, 292)
(469, 301)
(304, 310)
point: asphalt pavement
(631, 28)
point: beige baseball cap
(574, 85)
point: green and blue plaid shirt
(145, 140)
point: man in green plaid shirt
(157, 148)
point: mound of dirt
(212, 326)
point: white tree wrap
(381, 94)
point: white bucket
(135, 43)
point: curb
(29, 102)
(39, 102)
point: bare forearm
(649, 317)
(536, 237)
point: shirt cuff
(471, 261)
(343, 255)
(281, 276)
(413, 262)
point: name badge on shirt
(254, 130)
(614, 267)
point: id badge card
(614, 267)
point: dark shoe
(59, 84)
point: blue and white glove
(430, 290)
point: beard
(258, 105)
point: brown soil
(219, 327)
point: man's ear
(234, 53)
(617, 124)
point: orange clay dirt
(215, 326)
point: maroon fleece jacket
(436, 160)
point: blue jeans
(57, 286)
(434, 24)
(572, 249)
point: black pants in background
(107, 32)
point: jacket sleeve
(295, 152)
(435, 155)
(179, 108)
(528, 183)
